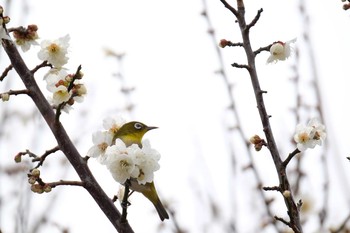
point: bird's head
(132, 132)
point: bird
(132, 133)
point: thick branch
(64, 142)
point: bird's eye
(138, 125)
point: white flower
(310, 135)
(319, 134)
(146, 160)
(132, 162)
(113, 124)
(53, 77)
(60, 95)
(119, 162)
(280, 51)
(55, 52)
(101, 140)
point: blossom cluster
(310, 135)
(26, 37)
(124, 162)
(65, 88)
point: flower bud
(35, 172)
(32, 27)
(47, 188)
(223, 43)
(255, 139)
(18, 158)
(32, 180)
(286, 194)
(5, 97)
(80, 89)
(37, 188)
(79, 75)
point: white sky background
(170, 60)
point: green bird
(132, 133)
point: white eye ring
(138, 125)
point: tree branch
(284, 185)
(255, 20)
(290, 156)
(6, 71)
(64, 142)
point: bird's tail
(161, 210)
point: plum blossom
(310, 135)
(280, 51)
(55, 51)
(132, 162)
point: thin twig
(125, 202)
(261, 49)
(255, 20)
(75, 77)
(273, 188)
(236, 65)
(42, 158)
(65, 182)
(16, 92)
(290, 156)
(228, 6)
(5, 72)
(43, 64)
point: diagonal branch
(63, 140)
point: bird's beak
(151, 127)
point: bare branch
(255, 20)
(290, 156)
(231, 8)
(43, 64)
(283, 221)
(6, 71)
(236, 65)
(274, 188)
(125, 202)
(42, 158)
(65, 182)
(266, 48)
(17, 92)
